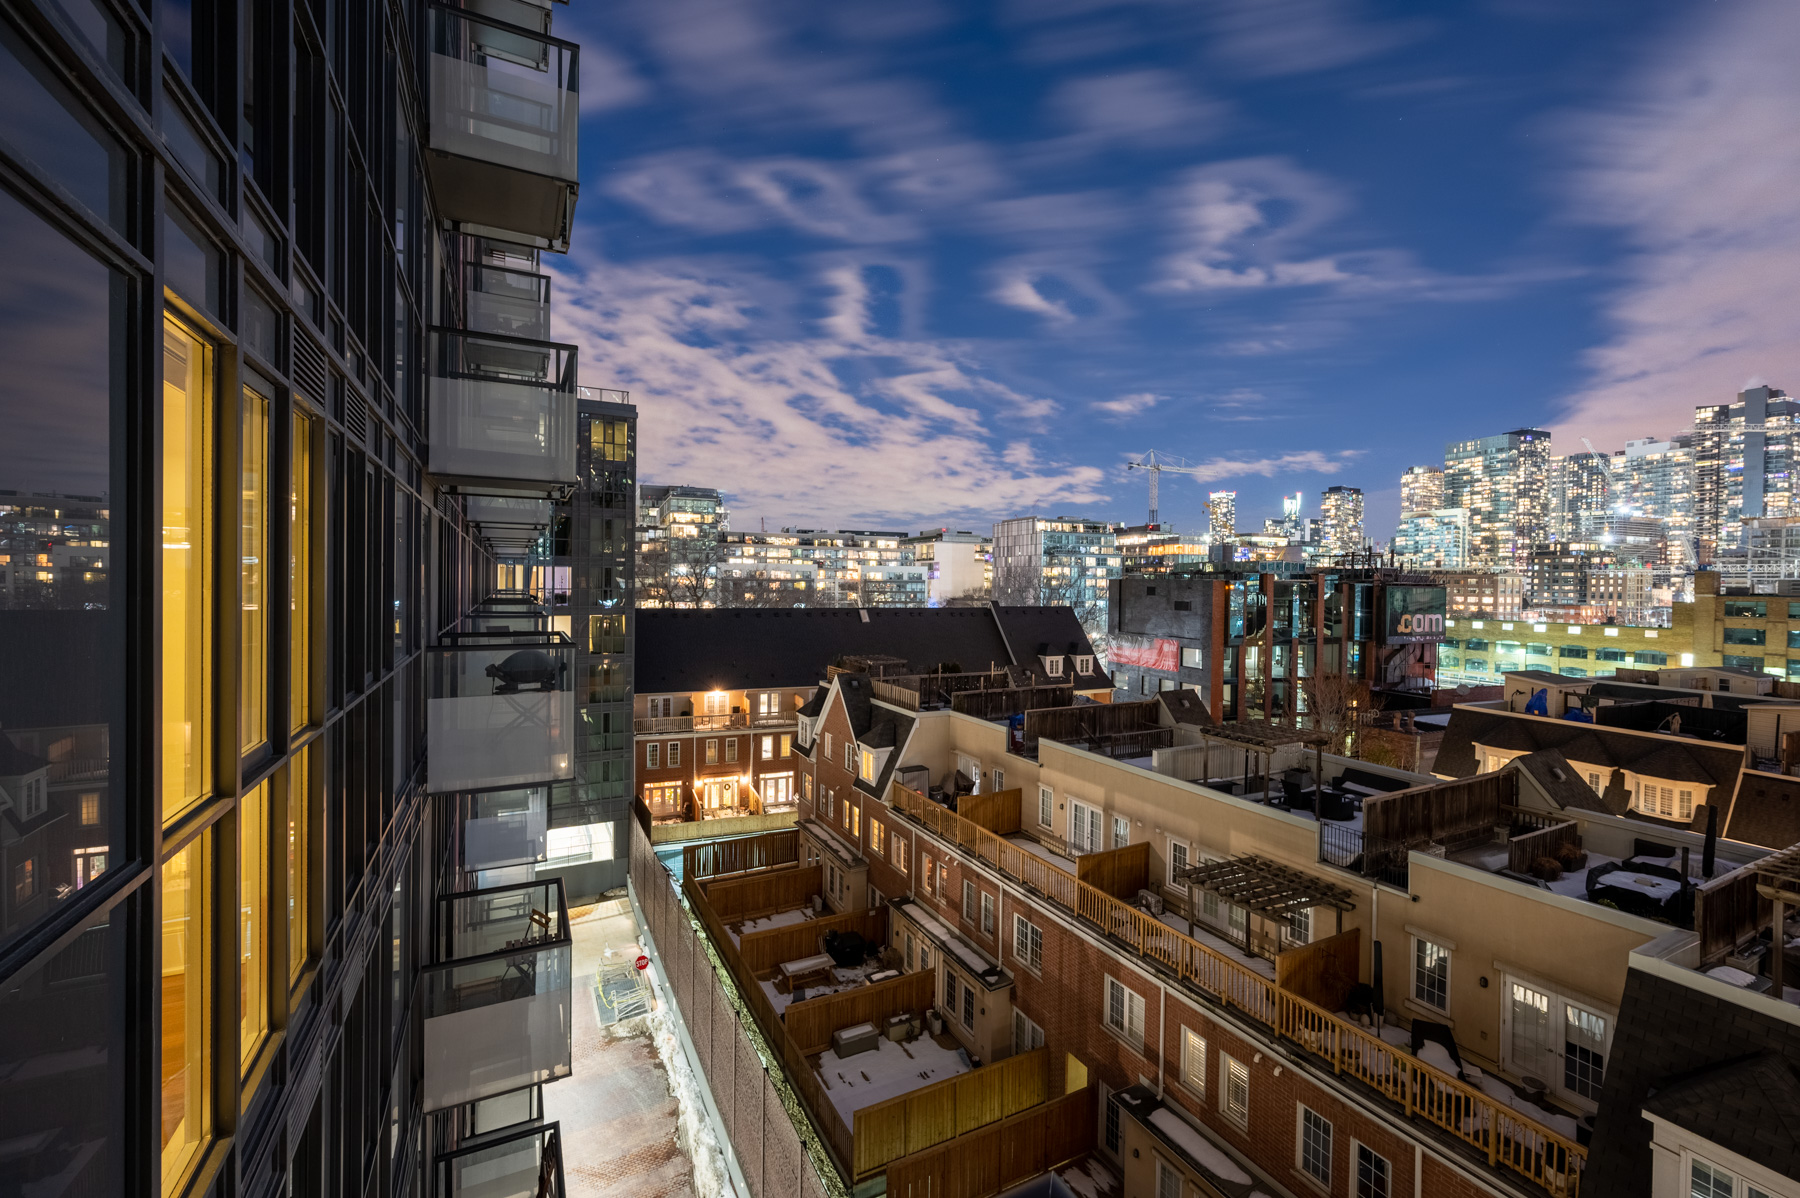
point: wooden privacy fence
(956, 1106)
(810, 1023)
(1726, 910)
(1524, 849)
(997, 811)
(830, 1125)
(999, 704)
(1324, 971)
(1001, 1155)
(758, 895)
(1443, 811)
(1121, 872)
(1508, 1138)
(770, 851)
(763, 951)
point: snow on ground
(1091, 1178)
(891, 1070)
(845, 979)
(1210, 1156)
(694, 1132)
(781, 919)
(1219, 944)
(1037, 850)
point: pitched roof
(1567, 790)
(1750, 1106)
(16, 762)
(1765, 811)
(1184, 706)
(738, 648)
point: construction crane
(1153, 464)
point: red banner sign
(1145, 653)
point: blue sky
(881, 264)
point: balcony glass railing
(503, 828)
(502, 414)
(500, 711)
(525, 1164)
(497, 1005)
(505, 107)
(513, 303)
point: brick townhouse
(1194, 1086)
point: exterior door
(1084, 828)
(1533, 1038)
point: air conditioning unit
(1150, 901)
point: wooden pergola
(1269, 888)
(1778, 880)
(1263, 738)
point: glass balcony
(503, 828)
(505, 103)
(513, 303)
(497, 1005)
(525, 1164)
(499, 711)
(511, 527)
(502, 414)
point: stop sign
(643, 962)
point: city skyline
(1299, 247)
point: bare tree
(1332, 703)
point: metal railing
(1507, 1138)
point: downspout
(1162, 1045)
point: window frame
(1046, 807)
(1358, 1188)
(1419, 976)
(1193, 1061)
(1306, 1154)
(1231, 1068)
(1028, 943)
(1123, 1011)
(989, 914)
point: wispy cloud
(1305, 461)
(1293, 37)
(843, 426)
(1141, 108)
(709, 193)
(1239, 222)
(1125, 406)
(1697, 166)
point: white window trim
(1673, 1150)
(1323, 1183)
(1031, 954)
(1355, 1145)
(1412, 971)
(1194, 1079)
(1164, 1168)
(1131, 1035)
(990, 918)
(1226, 1062)
(1046, 807)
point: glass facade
(227, 260)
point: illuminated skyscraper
(1504, 482)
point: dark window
(1744, 636)
(1477, 644)
(1183, 605)
(1650, 657)
(64, 1073)
(53, 129)
(1609, 655)
(1747, 609)
(1537, 650)
(58, 622)
(1742, 663)
(1572, 672)
(1578, 652)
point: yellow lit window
(300, 567)
(253, 915)
(186, 576)
(186, 1088)
(299, 815)
(90, 809)
(253, 576)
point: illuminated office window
(186, 581)
(186, 1084)
(253, 575)
(253, 918)
(300, 567)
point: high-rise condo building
(678, 545)
(1581, 496)
(1744, 459)
(1655, 481)
(1421, 490)
(1341, 511)
(1503, 481)
(281, 751)
(1221, 514)
(1433, 540)
(1057, 562)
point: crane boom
(1153, 464)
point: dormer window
(1053, 666)
(866, 766)
(1084, 665)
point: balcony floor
(617, 1111)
